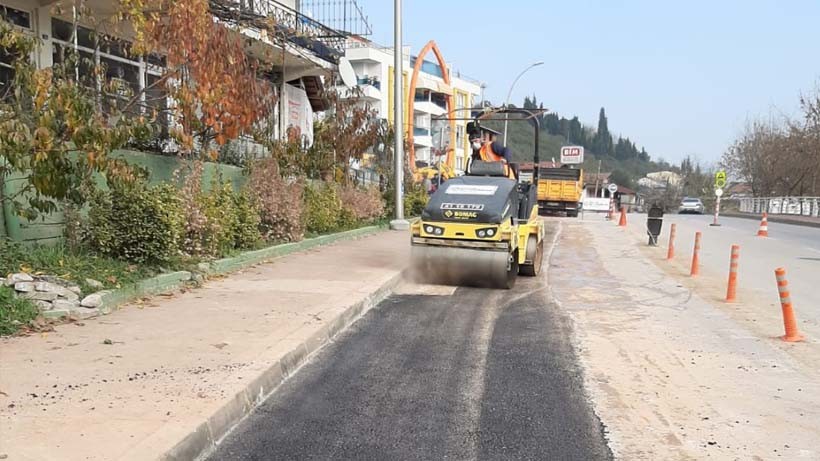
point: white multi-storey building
(373, 66)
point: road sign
(612, 188)
(572, 154)
(718, 192)
(720, 179)
(596, 204)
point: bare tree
(750, 157)
(780, 158)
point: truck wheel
(535, 253)
(572, 214)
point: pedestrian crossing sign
(720, 179)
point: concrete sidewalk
(166, 378)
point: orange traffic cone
(764, 226)
(622, 222)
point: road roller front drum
(443, 265)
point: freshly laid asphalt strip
(482, 374)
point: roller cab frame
(481, 229)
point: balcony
(429, 107)
(296, 28)
(422, 140)
(370, 81)
(421, 131)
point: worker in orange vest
(487, 149)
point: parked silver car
(691, 205)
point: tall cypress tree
(603, 140)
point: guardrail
(797, 206)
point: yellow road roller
(481, 229)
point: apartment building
(373, 66)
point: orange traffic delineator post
(670, 253)
(789, 321)
(764, 226)
(696, 256)
(622, 222)
(731, 289)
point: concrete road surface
(672, 370)
(796, 248)
(436, 373)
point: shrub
(415, 199)
(323, 208)
(362, 204)
(136, 223)
(279, 200)
(246, 234)
(196, 239)
(219, 209)
(218, 221)
(14, 312)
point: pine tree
(644, 155)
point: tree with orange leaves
(214, 83)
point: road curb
(159, 284)
(204, 439)
(249, 258)
(773, 218)
(166, 283)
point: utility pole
(398, 152)
(598, 178)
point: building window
(459, 136)
(461, 101)
(17, 17)
(126, 76)
(6, 75)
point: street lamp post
(509, 93)
(399, 223)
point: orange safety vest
(487, 155)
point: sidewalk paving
(134, 384)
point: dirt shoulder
(672, 375)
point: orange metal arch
(411, 98)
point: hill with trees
(618, 155)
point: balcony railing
(371, 81)
(421, 131)
(295, 27)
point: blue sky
(679, 78)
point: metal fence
(299, 29)
(800, 206)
